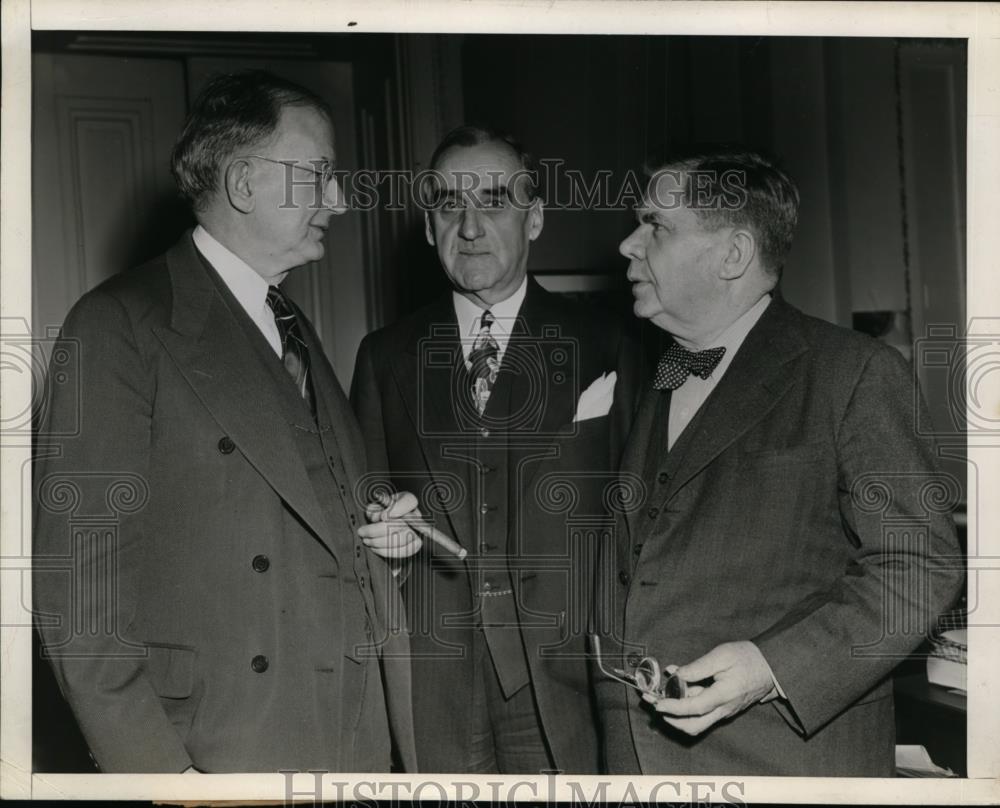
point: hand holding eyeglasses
(647, 676)
(737, 677)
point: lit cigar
(425, 529)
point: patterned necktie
(294, 352)
(485, 360)
(678, 363)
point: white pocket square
(596, 400)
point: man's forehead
(303, 128)
(664, 196)
(494, 163)
(664, 186)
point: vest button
(624, 577)
(259, 663)
(226, 444)
(637, 550)
(487, 586)
(484, 432)
(261, 563)
(663, 477)
(484, 509)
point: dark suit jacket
(799, 510)
(191, 542)
(408, 381)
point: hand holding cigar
(394, 543)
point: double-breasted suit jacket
(800, 510)
(200, 590)
(523, 489)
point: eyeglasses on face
(324, 176)
(647, 677)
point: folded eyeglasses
(647, 677)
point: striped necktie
(294, 353)
(485, 360)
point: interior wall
(873, 130)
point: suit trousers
(506, 732)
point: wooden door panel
(103, 130)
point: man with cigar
(495, 405)
(201, 589)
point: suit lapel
(429, 372)
(636, 449)
(755, 381)
(538, 377)
(215, 356)
(330, 395)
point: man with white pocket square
(502, 406)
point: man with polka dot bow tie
(754, 562)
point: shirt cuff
(776, 691)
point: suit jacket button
(634, 660)
(637, 549)
(484, 509)
(484, 432)
(259, 663)
(624, 577)
(261, 563)
(663, 477)
(653, 512)
(226, 444)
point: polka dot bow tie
(678, 363)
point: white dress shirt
(249, 288)
(504, 313)
(687, 399)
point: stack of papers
(947, 664)
(913, 761)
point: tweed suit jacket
(797, 510)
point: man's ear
(742, 248)
(536, 219)
(429, 228)
(239, 186)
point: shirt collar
(732, 338)
(248, 287)
(504, 312)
